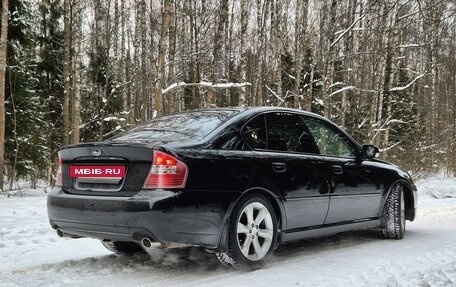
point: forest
(83, 70)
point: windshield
(178, 127)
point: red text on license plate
(97, 171)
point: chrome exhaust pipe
(146, 243)
(149, 244)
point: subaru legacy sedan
(236, 181)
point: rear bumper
(164, 216)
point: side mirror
(370, 151)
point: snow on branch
(390, 147)
(311, 83)
(336, 84)
(410, 46)
(348, 29)
(277, 96)
(206, 84)
(396, 89)
(341, 90)
(363, 122)
(394, 121)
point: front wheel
(252, 234)
(394, 214)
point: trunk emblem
(96, 152)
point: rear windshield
(178, 127)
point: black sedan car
(237, 182)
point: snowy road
(31, 254)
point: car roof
(285, 109)
(250, 110)
(255, 109)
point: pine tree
(50, 81)
(26, 150)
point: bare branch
(274, 93)
(348, 29)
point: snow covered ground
(31, 254)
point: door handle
(337, 169)
(279, 166)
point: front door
(355, 190)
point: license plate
(97, 171)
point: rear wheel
(394, 214)
(252, 234)
(122, 247)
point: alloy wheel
(255, 231)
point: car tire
(122, 247)
(252, 233)
(393, 226)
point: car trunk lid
(107, 168)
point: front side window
(329, 140)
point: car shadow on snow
(191, 258)
(197, 260)
(194, 258)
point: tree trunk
(216, 66)
(243, 51)
(191, 102)
(276, 35)
(348, 51)
(66, 71)
(196, 38)
(123, 63)
(258, 88)
(388, 75)
(310, 93)
(3, 63)
(171, 103)
(167, 11)
(329, 66)
(231, 97)
(144, 71)
(300, 47)
(136, 75)
(76, 91)
(16, 142)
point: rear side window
(254, 133)
(287, 132)
(280, 131)
(178, 127)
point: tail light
(58, 178)
(166, 172)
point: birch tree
(3, 63)
(76, 69)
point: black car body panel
(165, 216)
(312, 194)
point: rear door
(293, 169)
(355, 185)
